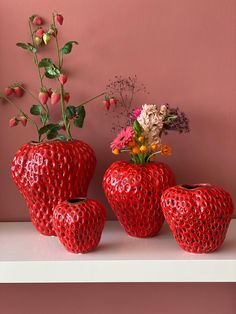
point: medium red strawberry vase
(78, 224)
(134, 191)
(198, 216)
(49, 173)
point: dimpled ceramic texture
(198, 217)
(49, 173)
(79, 225)
(134, 192)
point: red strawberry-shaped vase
(134, 191)
(49, 173)
(198, 216)
(79, 223)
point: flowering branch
(52, 71)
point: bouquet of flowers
(142, 138)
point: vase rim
(35, 143)
(195, 186)
(76, 200)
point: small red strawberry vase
(50, 172)
(198, 216)
(134, 191)
(79, 223)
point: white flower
(151, 120)
(163, 110)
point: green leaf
(36, 110)
(49, 127)
(137, 128)
(44, 118)
(48, 75)
(52, 134)
(44, 129)
(45, 63)
(70, 111)
(61, 137)
(32, 17)
(52, 72)
(80, 110)
(170, 119)
(68, 47)
(79, 122)
(80, 115)
(27, 46)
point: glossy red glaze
(134, 191)
(198, 216)
(49, 173)
(79, 223)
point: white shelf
(28, 257)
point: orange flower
(141, 139)
(154, 147)
(143, 149)
(135, 150)
(131, 144)
(116, 151)
(166, 150)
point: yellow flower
(141, 139)
(143, 149)
(135, 150)
(131, 144)
(154, 147)
(166, 150)
(116, 151)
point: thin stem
(57, 44)
(62, 92)
(35, 56)
(21, 111)
(87, 101)
(153, 154)
(27, 91)
(131, 98)
(64, 117)
(125, 150)
(32, 95)
(122, 99)
(161, 132)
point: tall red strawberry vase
(134, 191)
(49, 173)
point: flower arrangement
(142, 139)
(47, 69)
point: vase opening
(76, 200)
(195, 186)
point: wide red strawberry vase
(50, 172)
(79, 223)
(198, 216)
(134, 191)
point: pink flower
(136, 113)
(123, 138)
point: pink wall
(185, 52)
